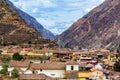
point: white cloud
(47, 3)
(29, 4)
(35, 3)
(56, 15)
(46, 22)
(75, 4)
(102, 0)
(35, 10)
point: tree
(4, 70)
(6, 60)
(17, 56)
(14, 43)
(68, 46)
(0, 42)
(5, 66)
(33, 72)
(62, 60)
(41, 47)
(14, 73)
(29, 42)
(117, 66)
(41, 60)
(4, 43)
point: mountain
(33, 22)
(100, 28)
(14, 28)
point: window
(53, 74)
(72, 67)
(41, 70)
(80, 69)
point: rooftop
(52, 66)
(21, 64)
(34, 77)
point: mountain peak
(15, 28)
(98, 29)
(33, 22)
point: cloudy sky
(56, 15)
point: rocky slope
(99, 28)
(13, 28)
(32, 21)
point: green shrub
(17, 56)
(6, 60)
(14, 73)
(117, 66)
(4, 71)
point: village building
(34, 77)
(47, 63)
(21, 66)
(55, 70)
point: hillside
(33, 22)
(13, 28)
(100, 28)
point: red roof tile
(14, 50)
(1, 63)
(72, 63)
(19, 63)
(34, 77)
(51, 66)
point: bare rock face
(33, 22)
(99, 28)
(12, 27)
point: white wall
(28, 72)
(68, 67)
(57, 73)
(75, 67)
(10, 69)
(24, 69)
(1, 68)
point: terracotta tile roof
(90, 65)
(18, 69)
(72, 63)
(84, 64)
(94, 69)
(34, 77)
(27, 49)
(19, 63)
(1, 78)
(103, 50)
(63, 52)
(72, 75)
(63, 49)
(14, 50)
(46, 66)
(1, 63)
(115, 75)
